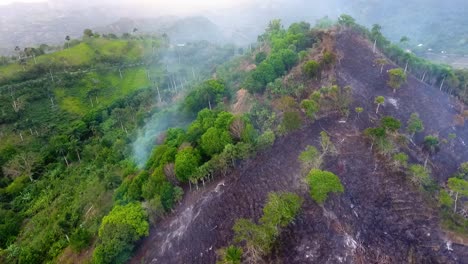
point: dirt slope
(379, 219)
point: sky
(183, 5)
(6, 2)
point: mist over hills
(423, 22)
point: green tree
(431, 146)
(397, 77)
(311, 107)
(381, 62)
(310, 158)
(186, 162)
(88, 33)
(122, 227)
(419, 175)
(230, 255)
(266, 139)
(400, 160)
(214, 140)
(415, 124)
(280, 209)
(322, 183)
(359, 110)
(379, 100)
(260, 57)
(460, 187)
(289, 57)
(346, 20)
(390, 124)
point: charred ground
(380, 218)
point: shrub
(322, 183)
(291, 121)
(266, 139)
(311, 69)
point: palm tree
(67, 38)
(431, 146)
(379, 100)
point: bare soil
(380, 218)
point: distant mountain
(179, 30)
(46, 23)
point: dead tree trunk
(442, 84)
(455, 203)
(78, 155)
(159, 94)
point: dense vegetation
(67, 120)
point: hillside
(381, 217)
(326, 144)
(67, 122)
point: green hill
(66, 123)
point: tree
(186, 163)
(381, 62)
(289, 58)
(123, 226)
(310, 158)
(379, 100)
(322, 183)
(311, 107)
(260, 57)
(291, 121)
(61, 146)
(404, 40)
(460, 187)
(88, 33)
(214, 140)
(22, 164)
(390, 124)
(346, 20)
(230, 255)
(419, 175)
(359, 110)
(397, 78)
(400, 160)
(414, 125)
(431, 146)
(266, 139)
(258, 238)
(279, 211)
(67, 38)
(311, 68)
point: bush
(291, 121)
(260, 57)
(322, 183)
(80, 239)
(311, 69)
(310, 158)
(328, 59)
(266, 139)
